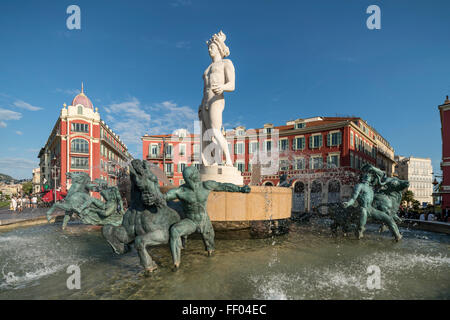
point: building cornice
(444, 107)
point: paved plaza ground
(9, 217)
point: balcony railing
(79, 150)
(112, 145)
(79, 166)
(159, 156)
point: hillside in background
(10, 180)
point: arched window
(298, 197)
(316, 194)
(334, 191)
(79, 146)
(80, 109)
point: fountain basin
(263, 212)
(306, 263)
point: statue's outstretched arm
(93, 187)
(355, 195)
(171, 194)
(228, 187)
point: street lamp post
(55, 176)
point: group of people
(426, 215)
(18, 203)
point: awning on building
(48, 197)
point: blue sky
(143, 62)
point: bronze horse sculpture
(380, 195)
(147, 220)
(90, 210)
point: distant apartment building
(385, 155)
(36, 180)
(321, 155)
(81, 141)
(419, 173)
(10, 189)
(444, 192)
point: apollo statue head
(219, 40)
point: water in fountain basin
(307, 263)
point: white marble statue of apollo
(218, 78)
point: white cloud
(131, 119)
(6, 115)
(24, 105)
(130, 108)
(19, 132)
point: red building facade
(321, 155)
(181, 150)
(81, 142)
(444, 110)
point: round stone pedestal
(224, 174)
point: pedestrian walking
(34, 202)
(14, 204)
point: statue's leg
(208, 236)
(183, 228)
(389, 221)
(67, 216)
(215, 116)
(362, 222)
(117, 237)
(397, 219)
(55, 206)
(150, 239)
(205, 138)
(183, 242)
(50, 211)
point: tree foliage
(27, 187)
(408, 197)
